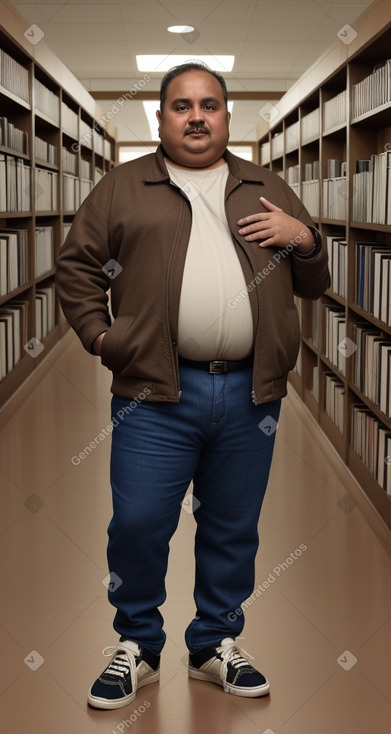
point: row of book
(44, 311)
(13, 259)
(46, 151)
(310, 125)
(292, 175)
(14, 76)
(277, 145)
(371, 440)
(69, 161)
(372, 366)
(337, 249)
(334, 399)
(65, 229)
(373, 91)
(44, 250)
(85, 169)
(265, 153)
(310, 197)
(311, 171)
(15, 184)
(15, 187)
(335, 333)
(373, 279)
(292, 136)
(372, 189)
(336, 168)
(13, 334)
(47, 102)
(75, 190)
(335, 111)
(12, 137)
(335, 198)
(46, 190)
(13, 255)
(86, 136)
(69, 121)
(14, 343)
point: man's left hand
(275, 228)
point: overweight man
(203, 253)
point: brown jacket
(137, 218)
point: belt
(217, 366)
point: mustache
(196, 129)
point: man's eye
(209, 107)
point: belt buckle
(217, 366)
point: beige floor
(321, 630)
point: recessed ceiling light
(181, 29)
(164, 62)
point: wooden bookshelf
(328, 85)
(75, 147)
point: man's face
(193, 125)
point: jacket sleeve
(81, 282)
(310, 276)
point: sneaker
(130, 668)
(228, 666)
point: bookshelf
(340, 114)
(52, 152)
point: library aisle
(318, 623)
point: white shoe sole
(118, 703)
(228, 688)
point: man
(203, 253)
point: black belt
(217, 366)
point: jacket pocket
(116, 345)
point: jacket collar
(241, 170)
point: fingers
(257, 231)
(259, 217)
(268, 205)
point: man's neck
(174, 164)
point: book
(13, 259)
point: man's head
(193, 116)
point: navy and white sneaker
(228, 666)
(130, 668)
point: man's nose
(196, 114)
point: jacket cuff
(316, 248)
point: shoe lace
(123, 661)
(235, 655)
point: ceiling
(274, 42)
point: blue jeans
(212, 436)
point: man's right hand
(97, 344)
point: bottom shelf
(377, 496)
(333, 434)
(28, 364)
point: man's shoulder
(137, 165)
(246, 169)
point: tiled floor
(320, 627)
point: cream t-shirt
(208, 328)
